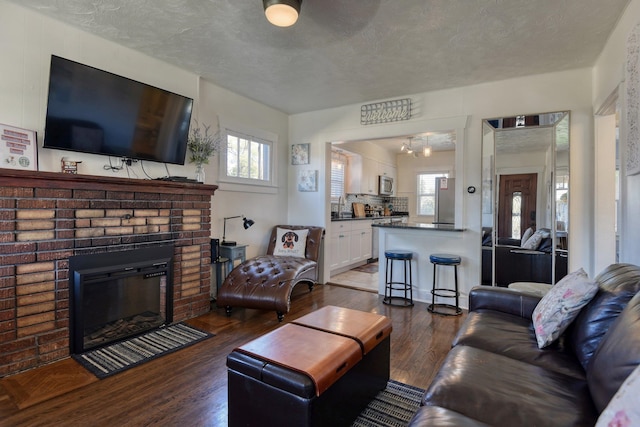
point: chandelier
(411, 150)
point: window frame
(344, 160)
(438, 174)
(252, 135)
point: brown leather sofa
(266, 282)
(496, 375)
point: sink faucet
(340, 200)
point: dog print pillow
(291, 242)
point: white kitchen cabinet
(361, 240)
(350, 243)
(369, 176)
(363, 172)
(340, 244)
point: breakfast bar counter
(420, 226)
(423, 240)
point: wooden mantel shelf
(21, 178)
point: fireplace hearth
(117, 295)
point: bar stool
(440, 308)
(405, 286)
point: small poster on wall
(18, 148)
(300, 154)
(308, 180)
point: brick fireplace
(47, 217)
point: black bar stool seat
(406, 286)
(442, 308)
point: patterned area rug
(109, 360)
(393, 407)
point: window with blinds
(338, 172)
(427, 192)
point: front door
(517, 204)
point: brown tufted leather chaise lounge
(266, 282)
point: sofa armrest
(505, 300)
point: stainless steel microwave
(385, 185)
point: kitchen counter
(422, 240)
(419, 226)
(367, 217)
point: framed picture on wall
(18, 148)
(308, 180)
(300, 154)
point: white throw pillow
(527, 234)
(557, 309)
(533, 242)
(623, 409)
(291, 242)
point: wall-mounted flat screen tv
(94, 111)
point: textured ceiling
(345, 52)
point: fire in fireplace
(116, 295)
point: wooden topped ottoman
(321, 370)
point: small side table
(237, 252)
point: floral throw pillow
(557, 309)
(291, 242)
(533, 242)
(623, 409)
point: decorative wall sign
(633, 102)
(308, 180)
(18, 148)
(69, 166)
(300, 154)
(385, 112)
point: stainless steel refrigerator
(445, 201)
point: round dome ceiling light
(282, 13)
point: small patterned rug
(114, 358)
(393, 407)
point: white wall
(608, 73)
(570, 90)
(28, 40)
(267, 207)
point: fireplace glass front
(117, 295)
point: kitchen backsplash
(378, 203)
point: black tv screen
(94, 111)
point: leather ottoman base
(261, 393)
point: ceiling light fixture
(282, 13)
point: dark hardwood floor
(189, 387)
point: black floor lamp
(245, 222)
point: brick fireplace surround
(47, 217)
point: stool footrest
(440, 309)
(401, 301)
(445, 293)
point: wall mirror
(525, 198)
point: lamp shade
(282, 13)
(248, 223)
